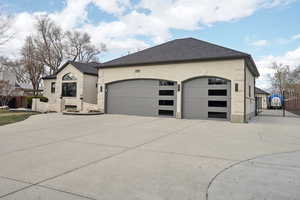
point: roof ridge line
(220, 46)
(162, 44)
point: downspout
(255, 111)
(245, 118)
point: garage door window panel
(217, 81)
(217, 104)
(166, 112)
(217, 92)
(166, 83)
(166, 102)
(166, 92)
(219, 115)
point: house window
(68, 77)
(53, 87)
(166, 92)
(217, 92)
(236, 87)
(216, 81)
(69, 89)
(249, 90)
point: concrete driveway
(52, 156)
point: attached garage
(205, 98)
(145, 97)
(208, 81)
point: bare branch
(32, 66)
(5, 26)
(79, 47)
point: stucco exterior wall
(250, 95)
(229, 69)
(54, 98)
(47, 91)
(264, 98)
(90, 89)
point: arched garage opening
(206, 98)
(145, 97)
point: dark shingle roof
(260, 91)
(50, 77)
(86, 68)
(187, 49)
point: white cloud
(73, 14)
(132, 20)
(291, 58)
(116, 7)
(296, 37)
(22, 26)
(260, 43)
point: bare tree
(79, 47)
(49, 43)
(16, 67)
(280, 78)
(32, 66)
(7, 91)
(5, 25)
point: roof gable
(260, 91)
(85, 68)
(179, 50)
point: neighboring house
(13, 92)
(262, 98)
(183, 78)
(8, 76)
(73, 84)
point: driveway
(53, 156)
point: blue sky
(267, 29)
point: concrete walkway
(54, 156)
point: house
(11, 93)
(184, 78)
(72, 85)
(262, 98)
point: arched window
(69, 87)
(68, 77)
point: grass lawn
(7, 117)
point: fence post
(283, 103)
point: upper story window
(69, 77)
(53, 87)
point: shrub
(29, 100)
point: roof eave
(92, 74)
(177, 61)
(48, 78)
